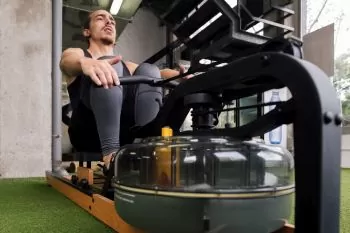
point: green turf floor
(345, 202)
(30, 205)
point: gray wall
(142, 38)
(25, 88)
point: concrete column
(25, 88)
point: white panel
(319, 48)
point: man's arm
(165, 73)
(74, 62)
(70, 63)
(169, 73)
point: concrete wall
(25, 88)
(142, 38)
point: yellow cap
(167, 132)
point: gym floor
(30, 205)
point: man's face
(102, 27)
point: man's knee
(149, 70)
(107, 97)
(148, 99)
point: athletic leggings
(104, 117)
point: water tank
(203, 184)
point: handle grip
(139, 79)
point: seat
(84, 156)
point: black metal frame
(229, 29)
(247, 13)
(314, 111)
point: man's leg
(148, 99)
(141, 103)
(106, 105)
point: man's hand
(182, 70)
(101, 72)
(170, 73)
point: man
(98, 117)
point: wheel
(84, 183)
(74, 179)
(71, 168)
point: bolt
(338, 119)
(265, 60)
(328, 117)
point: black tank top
(75, 88)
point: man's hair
(87, 20)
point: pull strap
(87, 53)
(126, 71)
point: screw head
(328, 117)
(265, 60)
(338, 119)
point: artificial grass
(30, 205)
(345, 202)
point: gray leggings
(119, 108)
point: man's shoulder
(73, 50)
